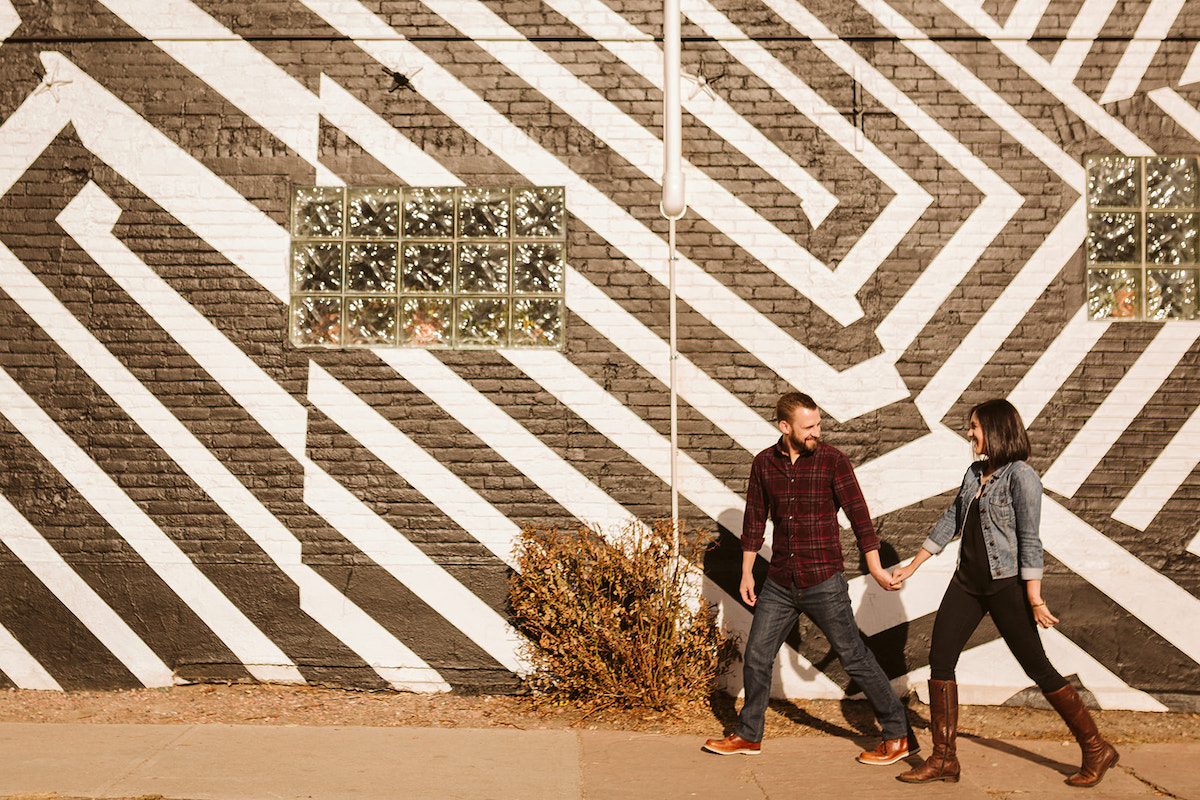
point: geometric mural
(887, 209)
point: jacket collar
(978, 467)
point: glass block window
(452, 267)
(1143, 222)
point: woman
(997, 512)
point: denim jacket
(1010, 513)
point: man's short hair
(789, 402)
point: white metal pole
(673, 205)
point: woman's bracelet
(1035, 605)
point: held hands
(898, 577)
(885, 579)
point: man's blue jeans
(828, 605)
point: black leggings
(959, 616)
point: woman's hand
(1042, 615)
(900, 575)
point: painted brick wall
(885, 211)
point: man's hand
(885, 579)
(747, 585)
(881, 575)
(747, 589)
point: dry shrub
(619, 622)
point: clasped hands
(892, 581)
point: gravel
(267, 704)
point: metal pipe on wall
(672, 206)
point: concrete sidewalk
(243, 762)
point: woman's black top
(973, 573)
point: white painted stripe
(1057, 83)
(706, 395)
(1178, 109)
(987, 336)
(575, 390)
(257, 653)
(22, 668)
(1056, 364)
(372, 534)
(624, 40)
(183, 186)
(1166, 607)
(1024, 18)
(727, 212)
(1191, 73)
(1159, 483)
(1081, 36)
(843, 394)
(229, 64)
(989, 675)
(910, 315)
(1108, 688)
(407, 459)
(10, 20)
(380, 138)
(89, 219)
(979, 93)
(1155, 24)
(1120, 407)
(79, 598)
(923, 468)
(511, 441)
(910, 200)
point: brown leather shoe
(889, 752)
(732, 745)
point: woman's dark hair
(1005, 439)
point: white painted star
(702, 85)
(51, 82)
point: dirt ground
(307, 705)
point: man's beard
(802, 446)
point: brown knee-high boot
(942, 764)
(1098, 755)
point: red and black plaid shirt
(802, 500)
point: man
(801, 482)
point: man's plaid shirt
(802, 501)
